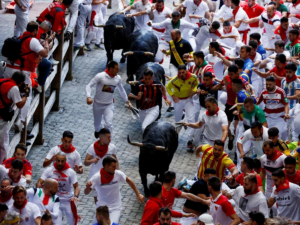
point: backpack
(12, 49)
(7, 113)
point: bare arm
(140, 197)
(194, 125)
(37, 220)
(194, 198)
(265, 124)
(207, 15)
(293, 96)
(252, 20)
(263, 75)
(40, 183)
(271, 202)
(89, 160)
(238, 23)
(224, 132)
(126, 9)
(234, 172)
(21, 103)
(139, 13)
(88, 188)
(28, 178)
(235, 219)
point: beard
(247, 191)
(294, 1)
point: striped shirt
(274, 102)
(270, 23)
(290, 90)
(208, 160)
(151, 95)
(201, 70)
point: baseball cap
(3, 207)
(206, 219)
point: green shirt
(250, 117)
(282, 8)
(294, 50)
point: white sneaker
(18, 125)
(39, 88)
(102, 41)
(54, 62)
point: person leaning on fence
(30, 49)
(9, 95)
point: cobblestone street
(75, 115)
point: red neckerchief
(252, 57)
(297, 3)
(259, 43)
(212, 114)
(198, 3)
(253, 192)
(46, 199)
(159, 11)
(188, 75)
(67, 166)
(284, 185)
(5, 199)
(212, 82)
(295, 42)
(14, 180)
(229, 30)
(298, 143)
(289, 80)
(105, 176)
(21, 207)
(275, 155)
(100, 150)
(106, 71)
(69, 150)
(149, 84)
(281, 32)
(234, 12)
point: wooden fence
(41, 104)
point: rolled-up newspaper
(134, 112)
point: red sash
(283, 186)
(77, 218)
(212, 114)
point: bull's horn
(128, 53)
(134, 143)
(175, 5)
(119, 26)
(149, 53)
(161, 148)
(132, 82)
(102, 25)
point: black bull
(143, 47)
(117, 31)
(160, 142)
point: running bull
(143, 47)
(160, 142)
(117, 31)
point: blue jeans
(44, 70)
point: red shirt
(294, 178)
(240, 179)
(231, 95)
(280, 73)
(168, 197)
(27, 167)
(252, 12)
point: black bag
(7, 113)
(12, 49)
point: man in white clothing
(74, 15)
(67, 181)
(142, 9)
(73, 156)
(21, 11)
(224, 13)
(106, 83)
(46, 199)
(286, 195)
(230, 37)
(29, 212)
(15, 173)
(107, 184)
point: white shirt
(225, 12)
(256, 142)
(29, 213)
(255, 75)
(221, 210)
(3, 172)
(21, 182)
(270, 166)
(14, 95)
(213, 125)
(288, 202)
(161, 16)
(294, 10)
(192, 8)
(250, 203)
(36, 196)
(270, 23)
(286, 53)
(141, 21)
(167, 24)
(9, 202)
(65, 184)
(295, 113)
(109, 194)
(230, 42)
(97, 167)
(241, 15)
(105, 87)
(217, 64)
(72, 158)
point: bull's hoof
(122, 60)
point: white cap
(206, 219)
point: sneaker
(18, 125)
(187, 188)
(87, 47)
(182, 183)
(230, 143)
(54, 62)
(170, 109)
(98, 47)
(190, 144)
(38, 88)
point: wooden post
(55, 85)
(38, 116)
(0, 4)
(69, 57)
(109, 4)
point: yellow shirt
(182, 88)
(296, 154)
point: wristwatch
(76, 196)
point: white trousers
(187, 220)
(189, 113)
(21, 21)
(98, 31)
(159, 55)
(120, 5)
(24, 111)
(148, 116)
(223, 97)
(239, 133)
(85, 11)
(65, 208)
(197, 108)
(257, 84)
(4, 139)
(268, 43)
(280, 124)
(107, 111)
(255, 30)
